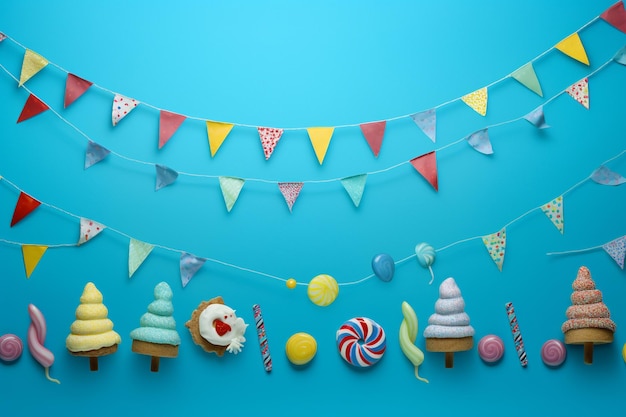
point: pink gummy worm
(37, 337)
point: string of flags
(190, 264)
(320, 137)
(615, 248)
(231, 187)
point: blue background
(300, 64)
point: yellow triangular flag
(573, 47)
(32, 254)
(32, 64)
(217, 132)
(320, 139)
(477, 101)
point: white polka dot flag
(269, 139)
(89, 229)
(496, 244)
(554, 211)
(580, 92)
(617, 250)
(290, 191)
(121, 107)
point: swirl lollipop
(553, 352)
(10, 347)
(36, 338)
(490, 348)
(426, 257)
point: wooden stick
(154, 364)
(588, 353)
(93, 363)
(449, 359)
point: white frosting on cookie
(219, 325)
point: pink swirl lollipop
(36, 338)
(553, 352)
(10, 347)
(490, 348)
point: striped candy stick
(517, 335)
(260, 331)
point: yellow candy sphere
(301, 348)
(291, 283)
(323, 290)
(624, 352)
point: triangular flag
(605, 176)
(189, 265)
(480, 141)
(554, 211)
(537, 118)
(320, 139)
(74, 88)
(616, 249)
(374, 133)
(94, 154)
(89, 229)
(231, 187)
(580, 92)
(138, 251)
(217, 132)
(427, 121)
(168, 124)
(25, 205)
(495, 244)
(528, 78)
(477, 100)
(164, 176)
(121, 107)
(2, 36)
(32, 107)
(620, 56)
(290, 191)
(32, 254)
(427, 166)
(573, 47)
(32, 64)
(269, 139)
(616, 16)
(355, 185)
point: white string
(321, 181)
(574, 251)
(343, 284)
(336, 126)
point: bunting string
(348, 283)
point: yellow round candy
(624, 352)
(301, 348)
(323, 290)
(291, 283)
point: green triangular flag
(138, 251)
(527, 77)
(354, 186)
(231, 187)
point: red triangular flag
(32, 107)
(74, 88)
(616, 16)
(427, 166)
(374, 133)
(168, 124)
(25, 205)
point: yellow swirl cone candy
(323, 290)
(408, 333)
(301, 348)
(92, 334)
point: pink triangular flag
(495, 244)
(121, 107)
(616, 16)
(290, 191)
(168, 124)
(189, 265)
(374, 133)
(269, 139)
(2, 36)
(32, 107)
(580, 92)
(427, 166)
(554, 211)
(74, 88)
(427, 121)
(617, 250)
(25, 205)
(89, 229)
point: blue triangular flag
(354, 186)
(537, 118)
(480, 141)
(427, 121)
(164, 176)
(189, 265)
(94, 154)
(620, 56)
(605, 176)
